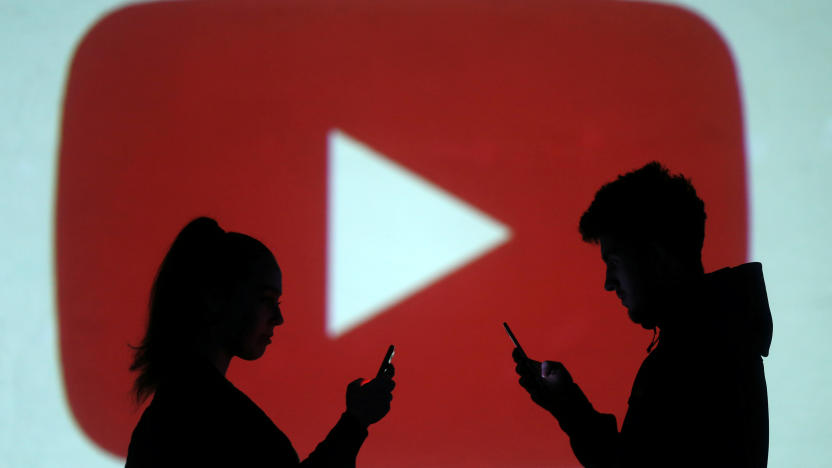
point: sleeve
(592, 435)
(340, 448)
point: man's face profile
(627, 274)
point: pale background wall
(784, 54)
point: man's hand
(370, 402)
(546, 382)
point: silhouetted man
(699, 398)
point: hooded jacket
(699, 398)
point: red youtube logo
(418, 169)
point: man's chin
(642, 317)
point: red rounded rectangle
(521, 109)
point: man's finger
(548, 368)
(528, 382)
(554, 371)
(518, 355)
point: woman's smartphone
(388, 358)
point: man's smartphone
(514, 340)
(388, 358)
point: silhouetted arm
(594, 436)
(341, 446)
(366, 404)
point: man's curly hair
(649, 205)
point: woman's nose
(609, 281)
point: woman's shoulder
(206, 417)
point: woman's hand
(370, 402)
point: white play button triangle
(391, 233)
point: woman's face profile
(259, 305)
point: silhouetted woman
(215, 297)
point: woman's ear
(210, 302)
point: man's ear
(664, 262)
